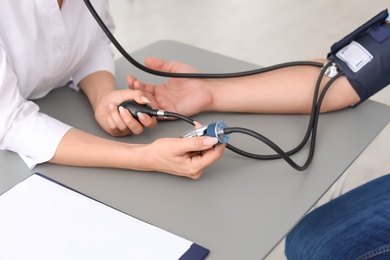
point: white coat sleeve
(102, 56)
(24, 130)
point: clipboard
(41, 218)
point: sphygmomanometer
(363, 57)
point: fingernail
(197, 125)
(210, 141)
(111, 106)
(122, 111)
(145, 99)
(141, 116)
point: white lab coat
(41, 48)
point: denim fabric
(355, 225)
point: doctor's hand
(180, 95)
(187, 157)
(118, 121)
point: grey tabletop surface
(240, 208)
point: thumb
(168, 66)
(155, 63)
(198, 143)
(137, 95)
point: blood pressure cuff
(364, 56)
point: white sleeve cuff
(40, 145)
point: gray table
(240, 208)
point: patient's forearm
(288, 90)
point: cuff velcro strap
(364, 56)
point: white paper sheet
(40, 219)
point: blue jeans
(355, 225)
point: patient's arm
(288, 90)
